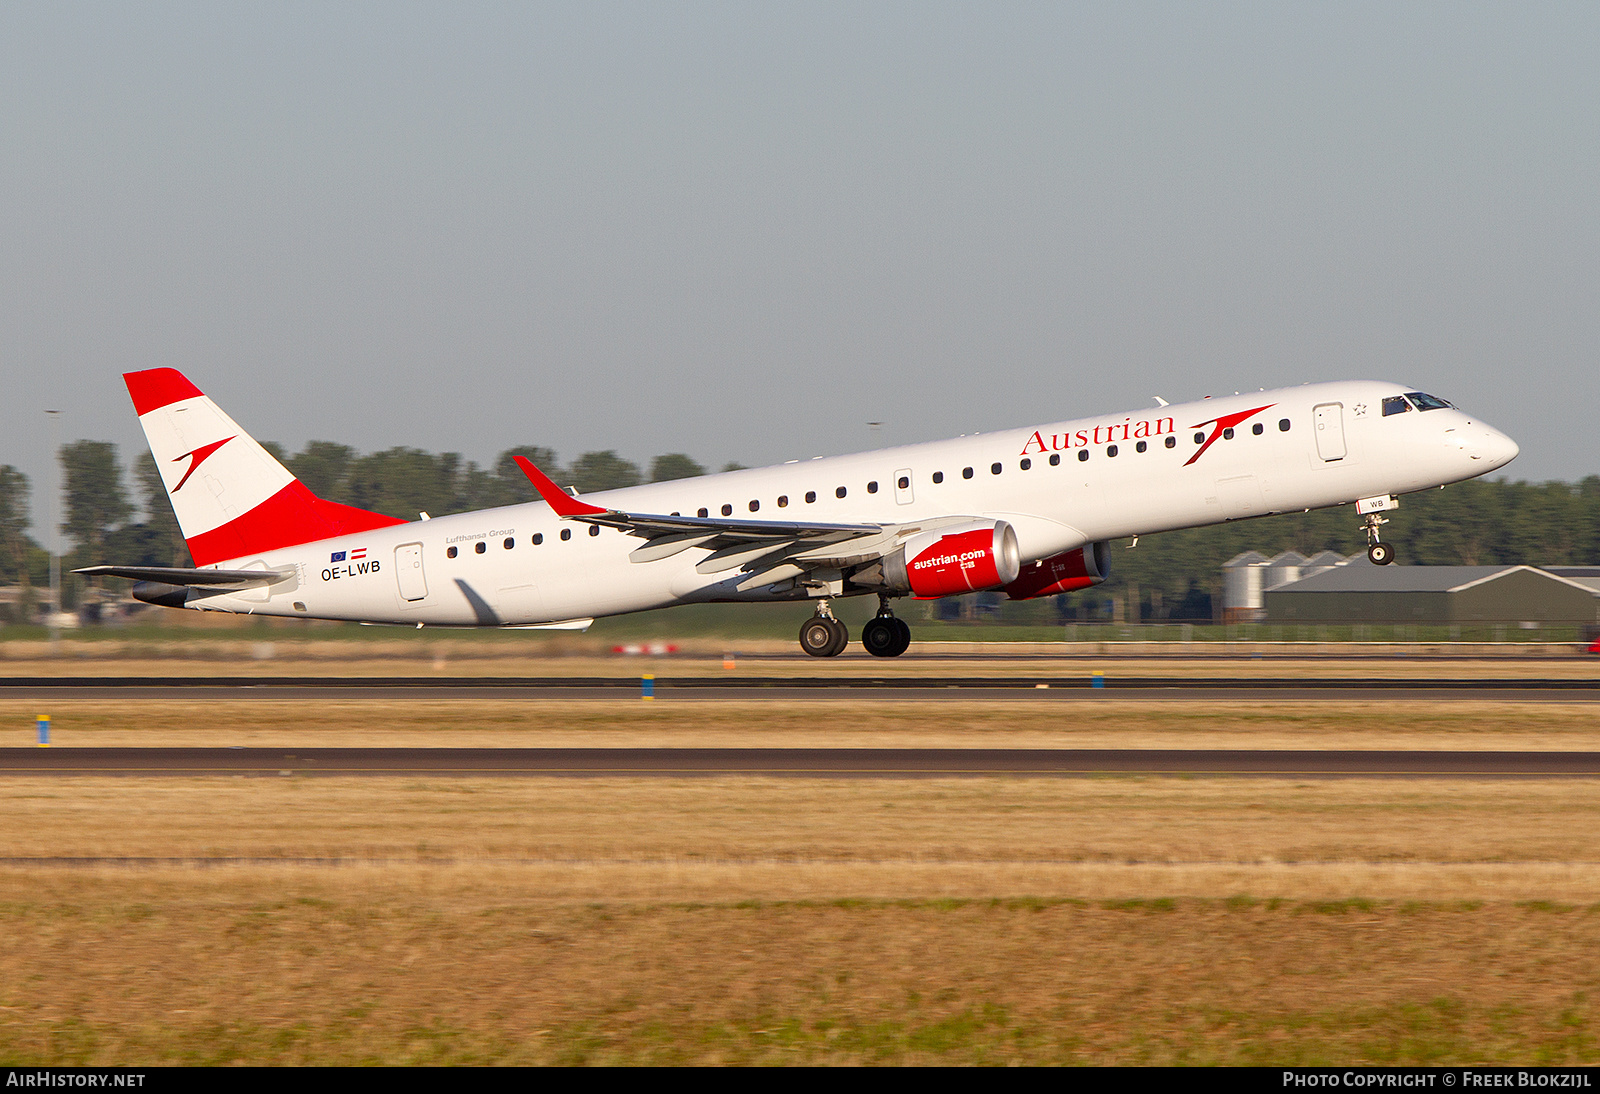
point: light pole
(55, 554)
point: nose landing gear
(1380, 554)
(884, 635)
(1371, 509)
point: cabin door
(408, 571)
(1329, 422)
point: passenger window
(1055, 459)
(1283, 425)
(1140, 447)
(994, 469)
(938, 476)
(538, 538)
(966, 472)
(480, 547)
(450, 552)
(1083, 454)
(509, 543)
(1025, 464)
(905, 482)
(1395, 404)
(872, 487)
(754, 505)
(1258, 429)
(727, 510)
(1111, 450)
(594, 529)
(1227, 434)
(566, 533)
(839, 493)
(1171, 442)
(1199, 438)
(811, 496)
(783, 501)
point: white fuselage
(1338, 448)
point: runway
(787, 762)
(855, 688)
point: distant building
(1247, 578)
(1358, 592)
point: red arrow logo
(1227, 421)
(199, 455)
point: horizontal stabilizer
(215, 580)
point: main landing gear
(883, 635)
(823, 635)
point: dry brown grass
(732, 920)
(705, 832)
(1019, 720)
(437, 967)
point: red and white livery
(1028, 512)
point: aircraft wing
(765, 550)
(214, 580)
(667, 534)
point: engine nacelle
(1076, 569)
(964, 558)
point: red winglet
(562, 502)
(155, 388)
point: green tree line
(1171, 575)
(105, 522)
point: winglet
(563, 503)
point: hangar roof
(1363, 577)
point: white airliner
(1028, 512)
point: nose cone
(1497, 449)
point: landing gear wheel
(824, 636)
(903, 629)
(818, 637)
(1381, 554)
(881, 637)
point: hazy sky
(743, 231)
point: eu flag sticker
(338, 556)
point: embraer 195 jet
(1027, 512)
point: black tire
(903, 643)
(880, 637)
(1381, 554)
(817, 637)
(841, 638)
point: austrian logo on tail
(198, 457)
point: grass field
(1078, 719)
(749, 920)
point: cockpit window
(1427, 402)
(1395, 404)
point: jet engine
(1063, 573)
(963, 558)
